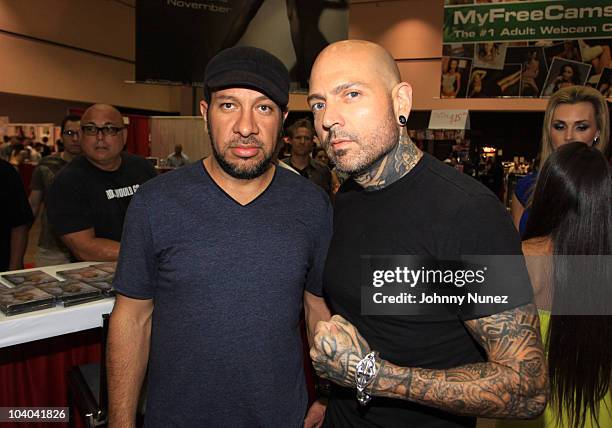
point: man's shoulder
(450, 182)
(52, 160)
(168, 183)
(298, 186)
(134, 159)
(138, 165)
(77, 169)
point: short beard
(242, 174)
(234, 171)
(385, 137)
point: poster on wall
(32, 132)
(528, 48)
(175, 39)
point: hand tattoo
(336, 350)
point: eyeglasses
(107, 130)
(71, 133)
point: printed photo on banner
(597, 53)
(605, 83)
(487, 83)
(575, 35)
(533, 68)
(454, 77)
(490, 55)
(563, 73)
(459, 50)
(566, 49)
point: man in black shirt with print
(430, 370)
(89, 198)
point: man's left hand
(337, 349)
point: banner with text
(526, 48)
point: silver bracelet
(365, 373)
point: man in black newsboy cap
(217, 259)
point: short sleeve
(38, 179)
(484, 233)
(322, 232)
(68, 209)
(137, 266)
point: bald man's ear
(402, 100)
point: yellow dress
(548, 418)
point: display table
(37, 349)
(55, 321)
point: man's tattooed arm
(513, 383)
(393, 166)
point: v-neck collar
(227, 195)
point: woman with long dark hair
(571, 220)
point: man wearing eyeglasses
(51, 250)
(89, 198)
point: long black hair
(572, 204)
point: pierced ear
(402, 99)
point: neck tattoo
(393, 166)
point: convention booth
(38, 349)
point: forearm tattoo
(512, 384)
(393, 166)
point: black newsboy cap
(248, 67)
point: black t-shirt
(433, 211)
(84, 196)
(16, 211)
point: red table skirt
(35, 374)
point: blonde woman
(575, 113)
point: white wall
(35, 68)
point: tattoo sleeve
(513, 383)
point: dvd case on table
(93, 276)
(109, 267)
(24, 298)
(71, 292)
(29, 278)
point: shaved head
(101, 147)
(369, 58)
(356, 96)
(107, 111)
